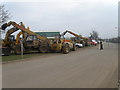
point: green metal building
(48, 34)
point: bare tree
(4, 14)
(94, 35)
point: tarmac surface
(85, 68)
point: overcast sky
(79, 16)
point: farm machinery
(32, 41)
(61, 44)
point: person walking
(101, 45)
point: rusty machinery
(31, 40)
(63, 45)
(78, 38)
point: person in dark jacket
(101, 45)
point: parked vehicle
(79, 45)
(93, 42)
(31, 41)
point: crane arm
(9, 32)
(22, 28)
(18, 37)
(74, 35)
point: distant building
(48, 34)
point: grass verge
(18, 57)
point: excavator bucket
(4, 26)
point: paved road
(84, 68)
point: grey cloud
(78, 17)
